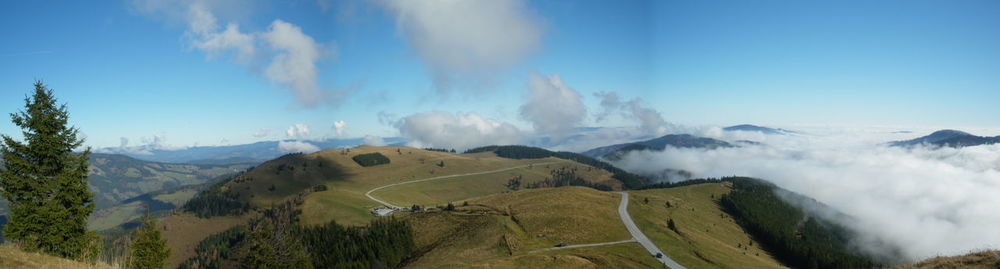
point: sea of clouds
(924, 201)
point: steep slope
(673, 140)
(948, 138)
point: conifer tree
(44, 181)
(149, 249)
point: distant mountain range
(233, 154)
(948, 138)
(755, 128)
(114, 177)
(615, 152)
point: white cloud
(294, 66)
(339, 127)
(458, 131)
(291, 55)
(373, 141)
(262, 132)
(650, 120)
(926, 202)
(298, 130)
(553, 108)
(297, 146)
(466, 39)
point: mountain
(114, 178)
(755, 128)
(948, 138)
(232, 154)
(614, 152)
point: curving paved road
(640, 237)
(395, 207)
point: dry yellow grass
(985, 259)
(184, 231)
(499, 231)
(12, 257)
(345, 201)
(708, 238)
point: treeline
(794, 237)
(664, 185)
(214, 201)
(558, 178)
(441, 150)
(370, 159)
(384, 243)
(629, 180)
(277, 240)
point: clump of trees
(277, 240)
(565, 177)
(441, 150)
(370, 159)
(629, 180)
(215, 201)
(45, 183)
(149, 248)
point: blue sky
(133, 69)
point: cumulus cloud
(290, 55)
(296, 146)
(262, 132)
(459, 131)
(924, 201)
(650, 120)
(339, 127)
(466, 39)
(298, 130)
(149, 144)
(373, 141)
(552, 108)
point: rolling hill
(760, 129)
(948, 138)
(114, 178)
(673, 140)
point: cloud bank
(461, 40)
(925, 201)
(455, 131)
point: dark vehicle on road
(659, 255)
(561, 245)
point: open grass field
(708, 238)
(12, 257)
(978, 260)
(344, 201)
(183, 231)
(500, 230)
(442, 191)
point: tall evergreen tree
(149, 249)
(44, 181)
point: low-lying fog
(924, 201)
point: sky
(463, 73)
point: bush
(370, 159)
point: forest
(370, 159)
(794, 237)
(629, 180)
(276, 238)
(216, 202)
